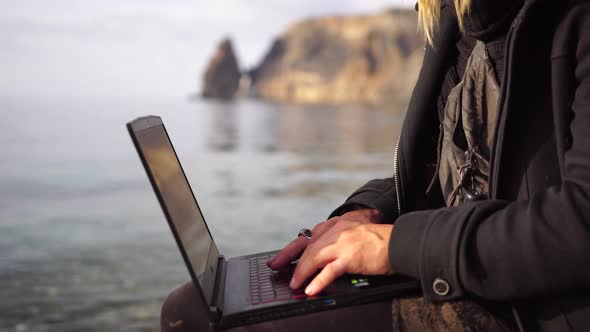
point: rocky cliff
(368, 59)
(371, 59)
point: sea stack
(222, 77)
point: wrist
(364, 215)
(383, 233)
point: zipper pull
(465, 172)
(469, 157)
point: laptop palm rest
(237, 292)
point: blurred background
(278, 110)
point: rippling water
(84, 245)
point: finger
(296, 249)
(289, 253)
(297, 246)
(289, 247)
(309, 263)
(328, 274)
(272, 259)
(282, 252)
(316, 231)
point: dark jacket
(529, 243)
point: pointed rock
(222, 77)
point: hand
(347, 247)
(294, 249)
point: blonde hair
(429, 15)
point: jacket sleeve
(377, 194)
(501, 250)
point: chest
(534, 107)
(535, 101)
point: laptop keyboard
(267, 285)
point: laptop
(241, 290)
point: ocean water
(84, 245)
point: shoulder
(577, 13)
(572, 35)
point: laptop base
(243, 307)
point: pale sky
(139, 48)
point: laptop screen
(181, 209)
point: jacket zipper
(396, 179)
(494, 151)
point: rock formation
(222, 77)
(371, 59)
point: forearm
(498, 250)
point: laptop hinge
(216, 309)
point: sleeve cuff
(424, 245)
(404, 245)
(384, 202)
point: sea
(84, 245)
